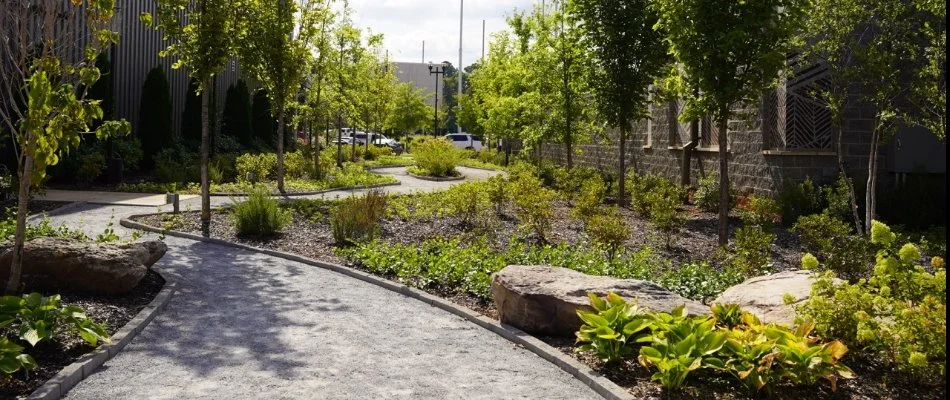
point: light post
(436, 70)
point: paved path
(115, 198)
(247, 325)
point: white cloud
(406, 23)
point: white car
(465, 141)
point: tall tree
(315, 107)
(155, 115)
(730, 52)
(203, 35)
(276, 57)
(629, 56)
(411, 111)
(44, 76)
(893, 54)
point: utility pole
(483, 41)
(461, 70)
(435, 120)
(423, 51)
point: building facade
(418, 75)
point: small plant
(832, 241)
(437, 157)
(611, 330)
(259, 214)
(608, 229)
(12, 358)
(356, 219)
(752, 254)
(533, 204)
(699, 280)
(663, 214)
(497, 188)
(727, 315)
(467, 201)
(707, 194)
(798, 199)
(256, 167)
(36, 318)
(588, 201)
(760, 211)
(679, 345)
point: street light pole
(436, 70)
(461, 71)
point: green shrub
(256, 167)
(648, 188)
(707, 194)
(798, 199)
(226, 164)
(437, 157)
(236, 119)
(375, 152)
(832, 241)
(752, 254)
(837, 199)
(12, 358)
(177, 165)
(259, 215)
(296, 166)
(761, 211)
(488, 156)
(356, 219)
(699, 280)
(534, 204)
(497, 189)
(467, 201)
(129, 151)
(37, 319)
(91, 167)
(589, 199)
(663, 212)
(611, 330)
(608, 229)
(678, 345)
(897, 315)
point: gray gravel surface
(247, 325)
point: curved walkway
(247, 325)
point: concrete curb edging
(57, 211)
(581, 372)
(438, 179)
(57, 386)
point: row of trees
(564, 73)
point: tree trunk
(723, 178)
(339, 142)
(23, 199)
(353, 146)
(205, 145)
(622, 171)
(280, 150)
(852, 198)
(870, 196)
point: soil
(312, 237)
(53, 356)
(35, 206)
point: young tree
(315, 106)
(277, 58)
(411, 111)
(203, 35)
(629, 56)
(47, 62)
(155, 115)
(730, 52)
(893, 53)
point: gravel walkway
(247, 325)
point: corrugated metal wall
(137, 53)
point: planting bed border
(315, 192)
(461, 177)
(581, 372)
(57, 386)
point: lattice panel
(807, 119)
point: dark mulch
(53, 356)
(695, 242)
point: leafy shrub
(832, 241)
(488, 156)
(177, 165)
(375, 152)
(226, 164)
(798, 199)
(898, 314)
(663, 213)
(760, 211)
(699, 280)
(648, 188)
(260, 214)
(437, 157)
(611, 330)
(707, 194)
(129, 151)
(752, 254)
(497, 189)
(91, 167)
(588, 202)
(679, 344)
(43, 229)
(256, 167)
(12, 358)
(533, 204)
(295, 165)
(158, 187)
(608, 229)
(356, 219)
(837, 199)
(467, 201)
(36, 318)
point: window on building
(794, 117)
(679, 130)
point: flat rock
(84, 267)
(545, 300)
(764, 296)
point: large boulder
(764, 296)
(75, 266)
(545, 300)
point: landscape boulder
(83, 267)
(544, 300)
(764, 296)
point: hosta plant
(680, 344)
(36, 318)
(610, 331)
(12, 358)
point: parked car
(343, 140)
(465, 141)
(381, 140)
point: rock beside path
(764, 296)
(74, 266)
(545, 300)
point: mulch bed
(53, 356)
(695, 242)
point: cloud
(406, 23)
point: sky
(406, 23)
